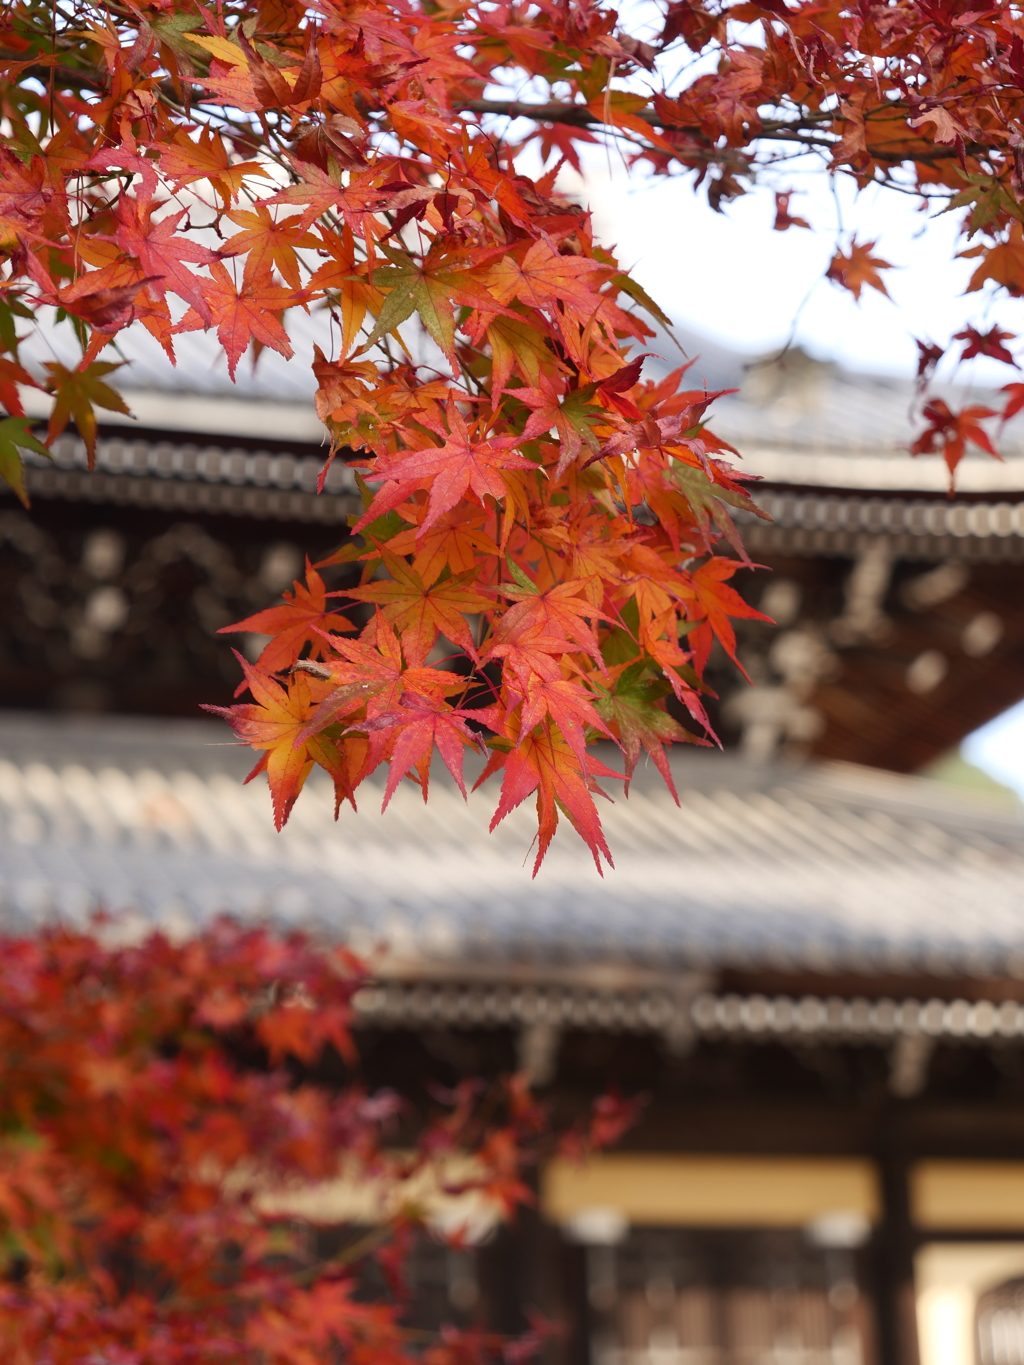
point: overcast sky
(733, 278)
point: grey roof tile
(816, 867)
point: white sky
(733, 278)
(998, 747)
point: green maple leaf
(15, 437)
(632, 707)
(582, 414)
(77, 393)
(708, 503)
(430, 288)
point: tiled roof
(804, 422)
(820, 868)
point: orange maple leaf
(540, 276)
(267, 243)
(298, 622)
(543, 762)
(716, 602)
(277, 722)
(419, 612)
(858, 269)
(77, 393)
(452, 542)
(1003, 263)
(184, 162)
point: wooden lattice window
(675, 1297)
(999, 1325)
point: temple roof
(797, 420)
(821, 867)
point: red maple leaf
(420, 724)
(988, 343)
(783, 218)
(371, 672)
(951, 432)
(251, 313)
(561, 617)
(543, 762)
(568, 704)
(161, 251)
(298, 622)
(460, 466)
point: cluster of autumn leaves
(159, 1102)
(543, 558)
(538, 517)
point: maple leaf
(717, 602)
(571, 414)
(543, 762)
(103, 299)
(297, 623)
(184, 161)
(569, 705)
(430, 288)
(543, 275)
(267, 243)
(616, 386)
(371, 672)
(12, 377)
(783, 218)
(77, 393)
(454, 541)
(15, 437)
(988, 343)
(242, 315)
(928, 357)
(951, 431)
(858, 269)
(558, 140)
(516, 345)
(1015, 401)
(632, 708)
(418, 611)
(1002, 262)
(460, 466)
(560, 617)
(161, 251)
(277, 722)
(948, 127)
(421, 723)
(710, 491)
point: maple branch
(580, 116)
(308, 666)
(802, 131)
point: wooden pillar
(575, 1308)
(518, 1273)
(895, 1243)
